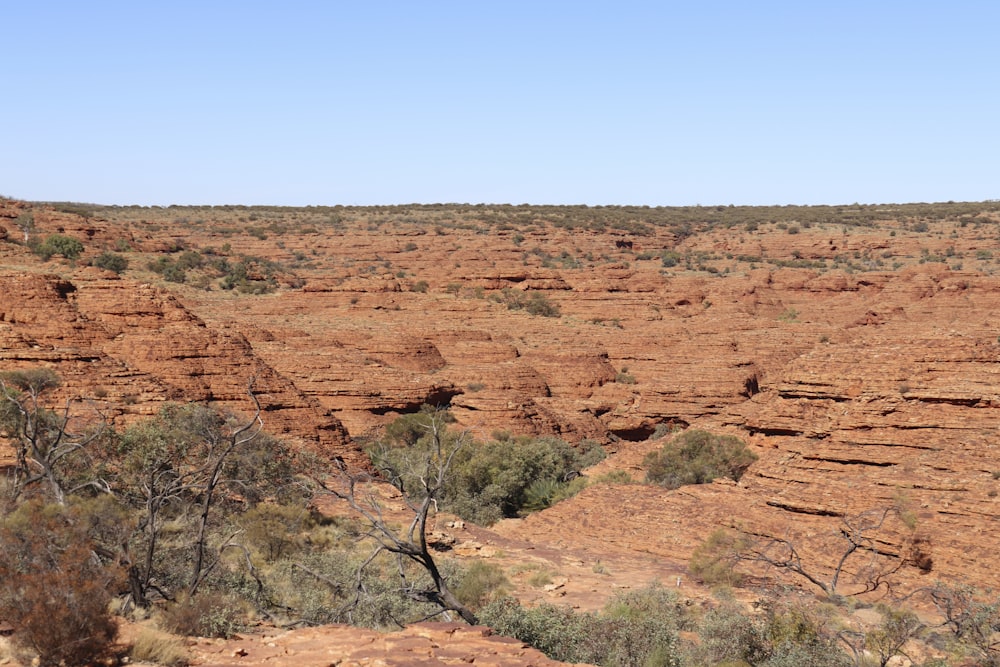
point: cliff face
(860, 363)
(124, 348)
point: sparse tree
(188, 465)
(860, 540)
(421, 477)
(26, 223)
(898, 626)
(973, 616)
(42, 437)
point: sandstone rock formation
(859, 360)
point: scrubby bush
(158, 648)
(487, 481)
(698, 457)
(206, 615)
(111, 261)
(640, 629)
(53, 589)
(59, 244)
(713, 561)
(535, 303)
(782, 636)
(480, 583)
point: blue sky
(657, 103)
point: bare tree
(188, 462)
(26, 223)
(41, 437)
(973, 616)
(860, 542)
(887, 640)
(420, 475)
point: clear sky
(369, 102)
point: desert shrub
(276, 531)
(205, 615)
(543, 493)
(713, 561)
(53, 590)
(251, 275)
(783, 636)
(973, 617)
(487, 481)
(623, 377)
(189, 474)
(341, 585)
(190, 259)
(614, 477)
(623, 634)
(420, 286)
(539, 304)
(698, 457)
(59, 244)
(158, 648)
(534, 303)
(490, 480)
(480, 583)
(111, 261)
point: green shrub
(534, 303)
(489, 480)
(782, 636)
(714, 560)
(59, 244)
(636, 631)
(614, 477)
(697, 457)
(671, 258)
(111, 261)
(480, 583)
(205, 615)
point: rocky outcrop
(858, 361)
(419, 644)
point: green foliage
(59, 244)
(188, 474)
(973, 617)
(698, 457)
(250, 275)
(480, 583)
(898, 626)
(532, 302)
(543, 493)
(275, 531)
(207, 615)
(26, 223)
(487, 481)
(614, 477)
(490, 480)
(329, 585)
(111, 261)
(714, 560)
(783, 636)
(788, 315)
(637, 630)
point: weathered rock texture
(860, 362)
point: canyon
(854, 350)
